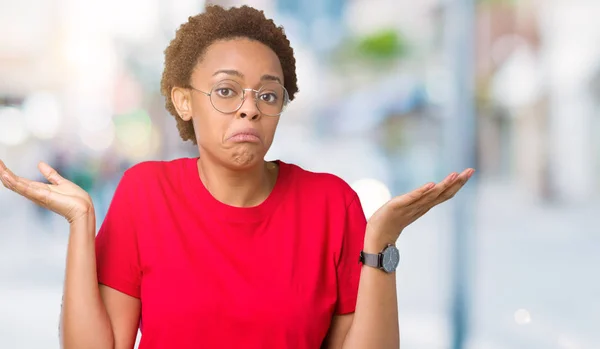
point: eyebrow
(271, 78)
(241, 76)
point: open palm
(403, 210)
(61, 196)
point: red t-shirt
(211, 275)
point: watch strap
(371, 259)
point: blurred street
(564, 240)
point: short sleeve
(348, 267)
(117, 255)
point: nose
(249, 108)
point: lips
(245, 135)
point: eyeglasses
(228, 96)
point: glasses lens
(271, 99)
(226, 96)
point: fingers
(67, 200)
(413, 196)
(444, 184)
(35, 191)
(39, 193)
(426, 197)
(29, 189)
(3, 168)
(6, 176)
(450, 190)
(431, 194)
(51, 175)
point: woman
(226, 250)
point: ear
(182, 100)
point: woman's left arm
(375, 321)
(374, 324)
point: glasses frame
(243, 98)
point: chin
(245, 159)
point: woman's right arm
(92, 316)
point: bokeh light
(135, 134)
(372, 193)
(12, 126)
(522, 317)
(99, 139)
(43, 115)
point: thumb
(51, 175)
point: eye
(225, 92)
(268, 97)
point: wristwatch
(386, 260)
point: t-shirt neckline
(233, 213)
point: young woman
(226, 250)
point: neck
(239, 188)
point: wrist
(85, 219)
(375, 242)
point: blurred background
(393, 94)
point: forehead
(252, 58)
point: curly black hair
(217, 23)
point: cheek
(210, 126)
(269, 129)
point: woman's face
(226, 137)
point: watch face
(391, 258)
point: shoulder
(149, 174)
(152, 169)
(322, 183)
